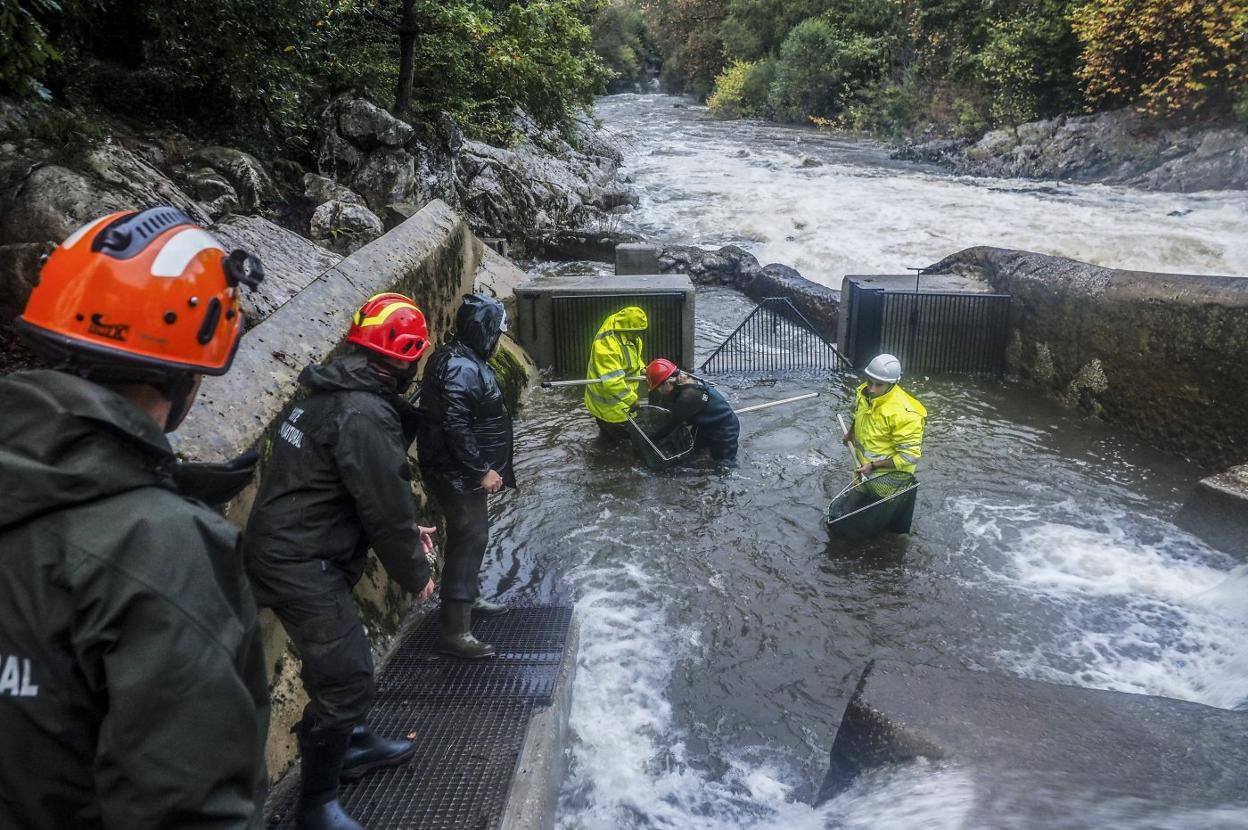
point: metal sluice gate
(774, 337)
(468, 719)
(576, 319)
(939, 332)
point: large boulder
(291, 262)
(43, 200)
(1040, 755)
(542, 183)
(243, 171)
(1118, 147)
(345, 227)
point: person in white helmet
(887, 434)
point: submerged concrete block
(636, 258)
(1217, 512)
(1023, 741)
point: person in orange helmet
(132, 679)
(691, 401)
(338, 482)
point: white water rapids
(721, 634)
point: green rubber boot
(456, 638)
(484, 608)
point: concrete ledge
(432, 256)
(533, 799)
(1159, 354)
(1217, 512)
(1017, 738)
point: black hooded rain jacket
(466, 429)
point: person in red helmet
(132, 681)
(338, 482)
(696, 403)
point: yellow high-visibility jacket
(890, 426)
(615, 355)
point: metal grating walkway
(469, 720)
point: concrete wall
(1162, 355)
(432, 257)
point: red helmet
(390, 324)
(659, 370)
(146, 295)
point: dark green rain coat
(132, 682)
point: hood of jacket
(65, 441)
(479, 322)
(350, 371)
(629, 320)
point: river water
(722, 631)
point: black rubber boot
(368, 751)
(456, 637)
(485, 608)
(322, 751)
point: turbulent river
(722, 632)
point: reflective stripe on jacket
(615, 354)
(890, 426)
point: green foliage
(688, 37)
(1166, 56)
(821, 68)
(620, 39)
(725, 100)
(25, 52)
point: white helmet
(885, 368)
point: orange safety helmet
(659, 370)
(140, 295)
(390, 324)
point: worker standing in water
(615, 356)
(886, 434)
(693, 402)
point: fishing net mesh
(657, 455)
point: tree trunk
(407, 56)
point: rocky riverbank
(59, 169)
(1120, 147)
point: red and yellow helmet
(659, 370)
(391, 325)
(147, 291)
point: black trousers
(612, 432)
(337, 658)
(467, 534)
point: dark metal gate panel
(929, 331)
(576, 319)
(774, 337)
(946, 332)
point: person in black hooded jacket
(337, 482)
(464, 444)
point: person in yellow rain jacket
(887, 435)
(616, 354)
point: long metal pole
(551, 384)
(769, 404)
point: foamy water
(721, 633)
(712, 183)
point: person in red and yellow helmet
(132, 678)
(338, 482)
(689, 400)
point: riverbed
(723, 631)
